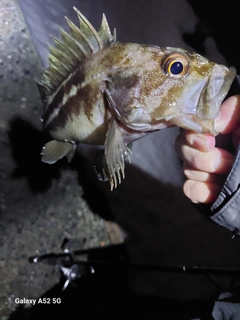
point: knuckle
(189, 174)
(195, 191)
(195, 159)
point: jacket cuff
(226, 209)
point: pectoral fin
(123, 94)
(56, 150)
(116, 151)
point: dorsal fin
(73, 47)
(105, 33)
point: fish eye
(176, 65)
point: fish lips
(214, 92)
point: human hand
(205, 165)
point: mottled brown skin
(120, 68)
(110, 63)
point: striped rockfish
(102, 92)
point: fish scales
(81, 93)
(103, 92)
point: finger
(229, 115)
(202, 141)
(202, 176)
(202, 192)
(227, 121)
(216, 160)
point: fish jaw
(219, 83)
(200, 106)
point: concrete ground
(160, 225)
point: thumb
(228, 119)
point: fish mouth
(214, 92)
(201, 104)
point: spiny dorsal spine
(73, 47)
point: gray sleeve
(226, 209)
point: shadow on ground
(26, 143)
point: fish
(102, 92)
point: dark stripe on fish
(75, 79)
(84, 100)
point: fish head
(168, 87)
(204, 86)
